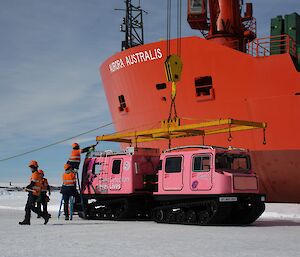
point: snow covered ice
(276, 234)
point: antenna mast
(132, 25)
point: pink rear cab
(119, 173)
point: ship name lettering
(138, 57)
(158, 53)
(116, 65)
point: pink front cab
(207, 170)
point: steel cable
(67, 139)
(55, 143)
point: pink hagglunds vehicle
(185, 185)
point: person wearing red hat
(33, 190)
(43, 198)
(68, 188)
(74, 159)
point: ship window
(122, 102)
(116, 167)
(161, 86)
(201, 164)
(173, 164)
(196, 6)
(203, 86)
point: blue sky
(50, 53)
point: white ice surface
(275, 234)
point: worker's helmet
(41, 172)
(75, 145)
(33, 163)
(67, 166)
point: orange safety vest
(44, 185)
(75, 155)
(36, 178)
(69, 179)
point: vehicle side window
(97, 168)
(173, 164)
(116, 167)
(201, 163)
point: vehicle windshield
(233, 162)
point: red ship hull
(243, 87)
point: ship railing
(250, 25)
(262, 47)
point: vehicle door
(115, 181)
(101, 183)
(173, 173)
(87, 176)
(201, 175)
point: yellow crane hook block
(173, 68)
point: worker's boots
(40, 215)
(24, 222)
(46, 217)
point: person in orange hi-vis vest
(33, 190)
(74, 159)
(43, 198)
(68, 188)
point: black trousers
(75, 165)
(42, 202)
(67, 192)
(30, 206)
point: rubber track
(207, 212)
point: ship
(228, 72)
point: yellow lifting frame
(170, 131)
